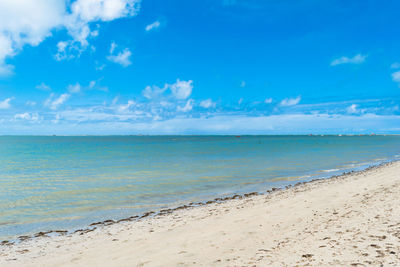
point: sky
(106, 67)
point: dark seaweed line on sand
(162, 212)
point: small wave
(356, 165)
(304, 176)
(289, 178)
(380, 159)
(331, 170)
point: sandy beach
(351, 220)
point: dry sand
(351, 220)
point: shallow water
(68, 182)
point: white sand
(350, 220)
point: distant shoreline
(198, 135)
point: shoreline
(353, 218)
(220, 199)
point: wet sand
(351, 220)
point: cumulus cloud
(59, 101)
(396, 76)
(100, 66)
(153, 26)
(122, 58)
(126, 107)
(103, 10)
(62, 52)
(37, 20)
(43, 87)
(208, 103)
(152, 92)
(5, 104)
(181, 89)
(290, 101)
(268, 101)
(353, 108)
(30, 103)
(53, 103)
(6, 49)
(27, 116)
(74, 88)
(112, 47)
(93, 85)
(187, 107)
(357, 59)
(85, 12)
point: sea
(67, 183)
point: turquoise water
(49, 183)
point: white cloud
(188, 106)
(59, 101)
(27, 116)
(166, 104)
(243, 84)
(122, 58)
(240, 100)
(30, 103)
(115, 100)
(54, 103)
(103, 10)
(352, 109)
(153, 25)
(208, 103)
(126, 107)
(74, 88)
(151, 92)
(23, 116)
(395, 65)
(64, 50)
(92, 84)
(84, 12)
(290, 101)
(37, 19)
(6, 50)
(268, 101)
(181, 89)
(43, 87)
(357, 59)
(5, 104)
(396, 76)
(112, 47)
(99, 66)
(26, 22)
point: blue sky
(199, 67)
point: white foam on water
(331, 170)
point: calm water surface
(70, 182)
